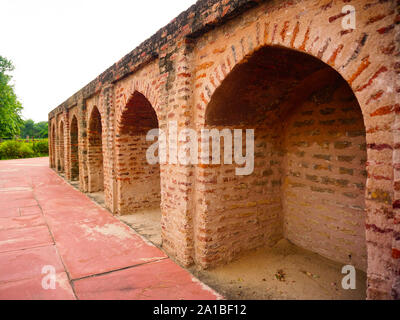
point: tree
(10, 107)
(34, 130)
(28, 128)
(43, 129)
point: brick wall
(61, 153)
(74, 158)
(328, 159)
(309, 162)
(324, 176)
(95, 152)
(138, 182)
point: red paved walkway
(46, 222)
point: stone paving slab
(46, 222)
(31, 289)
(99, 246)
(9, 212)
(22, 222)
(24, 238)
(25, 211)
(19, 203)
(161, 280)
(29, 263)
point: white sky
(58, 46)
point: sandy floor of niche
(147, 223)
(307, 276)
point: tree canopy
(34, 130)
(10, 107)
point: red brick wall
(74, 156)
(310, 156)
(95, 152)
(61, 151)
(179, 71)
(138, 182)
(324, 176)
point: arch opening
(52, 146)
(74, 149)
(61, 163)
(95, 153)
(306, 193)
(138, 181)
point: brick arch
(73, 113)
(137, 181)
(219, 74)
(343, 50)
(363, 71)
(61, 145)
(74, 146)
(143, 88)
(98, 106)
(95, 152)
(52, 142)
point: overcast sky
(58, 46)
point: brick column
(61, 142)
(67, 146)
(56, 143)
(107, 105)
(177, 181)
(82, 142)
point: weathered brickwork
(309, 178)
(325, 174)
(74, 148)
(61, 149)
(95, 152)
(324, 105)
(138, 181)
(52, 144)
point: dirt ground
(97, 197)
(303, 274)
(147, 223)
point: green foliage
(26, 151)
(9, 149)
(16, 149)
(41, 146)
(10, 107)
(34, 130)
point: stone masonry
(324, 103)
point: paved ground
(47, 227)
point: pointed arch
(74, 148)
(138, 182)
(95, 152)
(61, 151)
(309, 175)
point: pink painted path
(46, 222)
